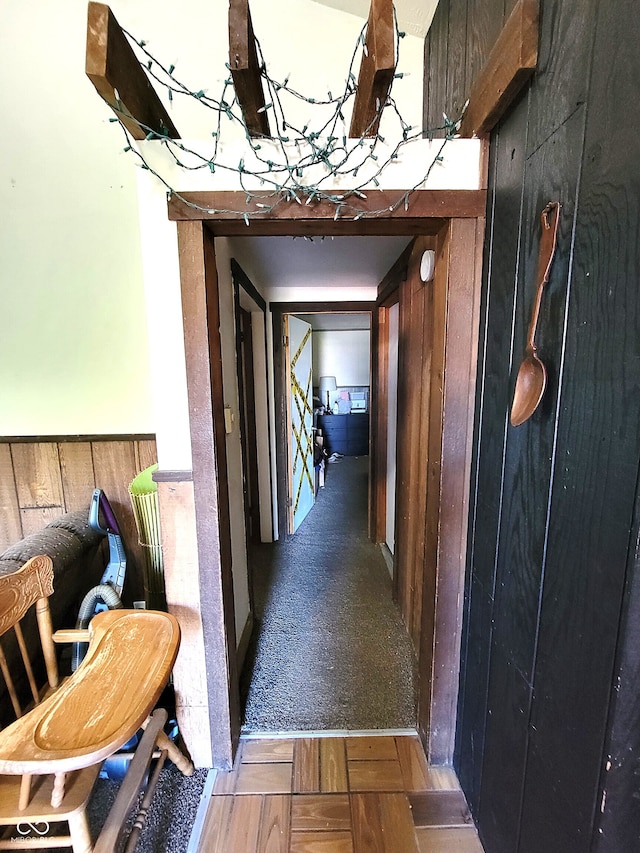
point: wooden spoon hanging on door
(532, 376)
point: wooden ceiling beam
(425, 214)
(115, 71)
(245, 68)
(511, 63)
(376, 70)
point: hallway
(329, 650)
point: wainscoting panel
(44, 477)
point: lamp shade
(327, 383)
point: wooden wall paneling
(552, 173)
(426, 59)
(204, 385)
(516, 494)
(388, 295)
(431, 514)
(456, 82)
(61, 469)
(146, 454)
(485, 19)
(564, 61)
(10, 523)
(509, 66)
(114, 465)
(78, 477)
(380, 414)
(408, 416)
(466, 646)
(609, 148)
(423, 295)
(411, 451)
(36, 517)
(598, 448)
(401, 452)
(493, 401)
(416, 437)
(436, 71)
(402, 575)
(453, 371)
(515, 618)
(37, 473)
(617, 825)
(39, 484)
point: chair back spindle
(19, 592)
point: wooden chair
(51, 755)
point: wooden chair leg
(174, 754)
(80, 834)
(25, 792)
(57, 794)
(143, 810)
(112, 830)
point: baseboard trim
(388, 557)
(243, 645)
(205, 797)
(329, 733)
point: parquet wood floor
(360, 794)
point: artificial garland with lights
(285, 177)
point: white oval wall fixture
(427, 265)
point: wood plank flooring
(356, 794)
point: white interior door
(300, 418)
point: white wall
(343, 354)
(73, 352)
(73, 349)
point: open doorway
(432, 600)
(329, 650)
(341, 636)
(338, 392)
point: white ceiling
(288, 262)
(285, 263)
(338, 322)
(414, 17)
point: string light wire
(327, 149)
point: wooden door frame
(203, 359)
(278, 311)
(244, 361)
(459, 215)
(388, 295)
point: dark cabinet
(346, 434)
